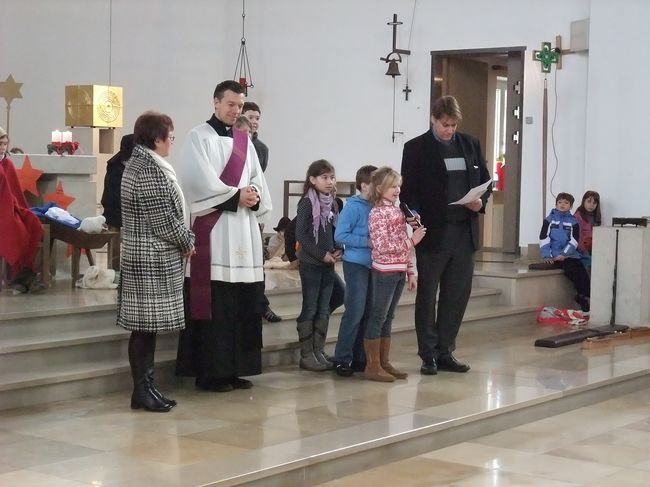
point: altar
(76, 175)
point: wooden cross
(546, 57)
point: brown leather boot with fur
(374, 371)
(384, 354)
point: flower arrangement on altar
(62, 143)
(62, 147)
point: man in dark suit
(438, 168)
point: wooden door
(458, 73)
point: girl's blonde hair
(382, 179)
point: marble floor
(603, 445)
(294, 418)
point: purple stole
(200, 292)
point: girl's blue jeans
(317, 282)
(386, 289)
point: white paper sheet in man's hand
(473, 194)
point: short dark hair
(251, 105)
(566, 197)
(151, 126)
(446, 106)
(229, 84)
(363, 175)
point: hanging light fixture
(242, 68)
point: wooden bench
(83, 241)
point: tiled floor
(603, 445)
(295, 416)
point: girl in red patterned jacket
(392, 266)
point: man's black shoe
(214, 385)
(271, 317)
(449, 363)
(429, 368)
(238, 383)
(343, 370)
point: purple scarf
(322, 210)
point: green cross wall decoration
(546, 57)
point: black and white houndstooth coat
(150, 294)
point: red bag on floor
(563, 317)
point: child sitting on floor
(275, 247)
(588, 216)
(558, 241)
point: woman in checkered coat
(155, 242)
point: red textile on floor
(20, 230)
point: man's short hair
(446, 106)
(224, 86)
(251, 105)
(566, 197)
(363, 175)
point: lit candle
(66, 136)
(56, 136)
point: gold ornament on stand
(93, 106)
(10, 90)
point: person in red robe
(21, 229)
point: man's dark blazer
(425, 184)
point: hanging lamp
(242, 68)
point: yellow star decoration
(10, 90)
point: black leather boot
(150, 371)
(143, 396)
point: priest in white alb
(225, 189)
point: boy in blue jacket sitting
(558, 241)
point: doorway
(489, 86)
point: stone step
(380, 442)
(57, 366)
(73, 380)
(69, 348)
(55, 380)
(287, 303)
(66, 326)
(42, 323)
